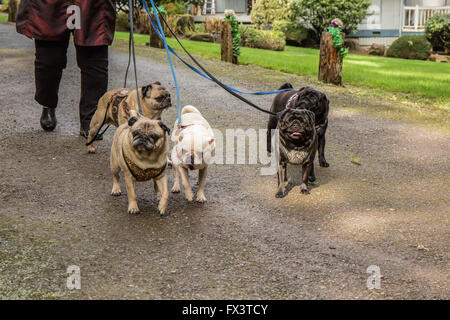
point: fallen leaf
(355, 160)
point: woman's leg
(51, 59)
(93, 62)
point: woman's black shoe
(48, 119)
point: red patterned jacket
(47, 20)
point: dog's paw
(312, 178)
(175, 189)
(162, 210)
(304, 190)
(201, 198)
(280, 194)
(91, 149)
(189, 196)
(324, 164)
(116, 193)
(133, 210)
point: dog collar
(291, 99)
(143, 174)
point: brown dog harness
(142, 174)
(118, 101)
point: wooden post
(155, 41)
(227, 44)
(330, 65)
(12, 10)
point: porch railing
(415, 18)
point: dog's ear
(287, 85)
(164, 127)
(132, 121)
(145, 89)
(157, 82)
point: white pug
(193, 146)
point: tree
(12, 10)
(265, 12)
(318, 14)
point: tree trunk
(155, 41)
(227, 44)
(330, 65)
(12, 10)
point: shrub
(255, 38)
(410, 47)
(319, 14)
(122, 22)
(182, 24)
(265, 12)
(293, 31)
(176, 7)
(437, 31)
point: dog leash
(201, 73)
(211, 77)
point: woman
(50, 23)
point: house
(386, 20)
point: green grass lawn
(3, 17)
(421, 78)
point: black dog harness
(118, 101)
(143, 174)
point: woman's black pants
(51, 59)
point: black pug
(306, 98)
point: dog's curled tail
(287, 85)
(189, 109)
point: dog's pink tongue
(296, 133)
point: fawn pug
(140, 149)
(114, 107)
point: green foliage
(255, 38)
(410, 47)
(338, 41)
(265, 12)
(196, 2)
(437, 31)
(160, 9)
(319, 13)
(176, 7)
(235, 34)
(293, 31)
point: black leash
(209, 74)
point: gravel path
(56, 211)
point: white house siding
(367, 41)
(382, 24)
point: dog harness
(143, 174)
(288, 103)
(118, 101)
